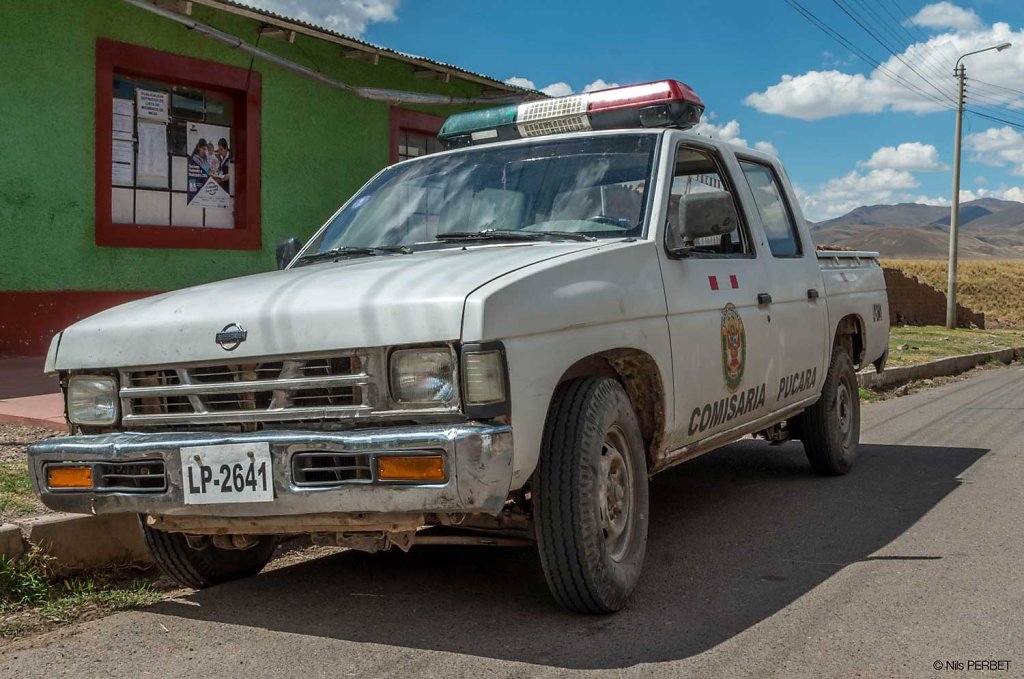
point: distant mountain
(904, 214)
(988, 228)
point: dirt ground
(16, 497)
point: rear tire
(830, 429)
(209, 566)
(590, 500)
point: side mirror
(286, 251)
(704, 215)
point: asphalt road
(755, 568)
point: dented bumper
(478, 461)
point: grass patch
(994, 287)
(33, 597)
(16, 494)
(868, 394)
(910, 345)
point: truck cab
(497, 344)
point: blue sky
(848, 133)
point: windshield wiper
(571, 235)
(488, 234)
(512, 235)
(352, 251)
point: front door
(723, 355)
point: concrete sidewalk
(27, 396)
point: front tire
(590, 499)
(830, 429)
(208, 566)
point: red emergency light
(642, 95)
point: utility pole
(954, 213)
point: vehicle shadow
(735, 536)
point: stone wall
(912, 302)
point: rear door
(794, 283)
(724, 359)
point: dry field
(992, 286)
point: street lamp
(960, 71)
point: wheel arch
(850, 335)
(638, 373)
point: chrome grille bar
(201, 388)
(241, 416)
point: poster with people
(210, 165)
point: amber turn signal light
(69, 477)
(410, 468)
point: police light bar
(665, 103)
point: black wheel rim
(844, 413)
(616, 496)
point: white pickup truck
(496, 344)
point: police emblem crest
(734, 347)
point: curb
(59, 427)
(11, 544)
(953, 365)
(78, 542)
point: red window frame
(411, 121)
(242, 85)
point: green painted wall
(317, 145)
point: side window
(775, 215)
(698, 178)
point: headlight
(422, 376)
(484, 377)
(92, 399)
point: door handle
(812, 294)
(763, 298)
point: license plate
(235, 472)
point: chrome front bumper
(478, 458)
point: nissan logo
(231, 336)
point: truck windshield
(579, 189)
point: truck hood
(363, 302)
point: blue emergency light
(664, 103)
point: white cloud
(998, 147)
(558, 89)
(887, 186)
(839, 195)
(826, 93)
(1005, 193)
(521, 82)
(819, 94)
(913, 156)
(350, 17)
(1013, 193)
(888, 179)
(599, 84)
(946, 15)
(729, 132)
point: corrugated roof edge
(312, 30)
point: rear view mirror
(286, 251)
(710, 214)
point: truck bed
(855, 284)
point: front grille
(274, 390)
(322, 469)
(146, 476)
